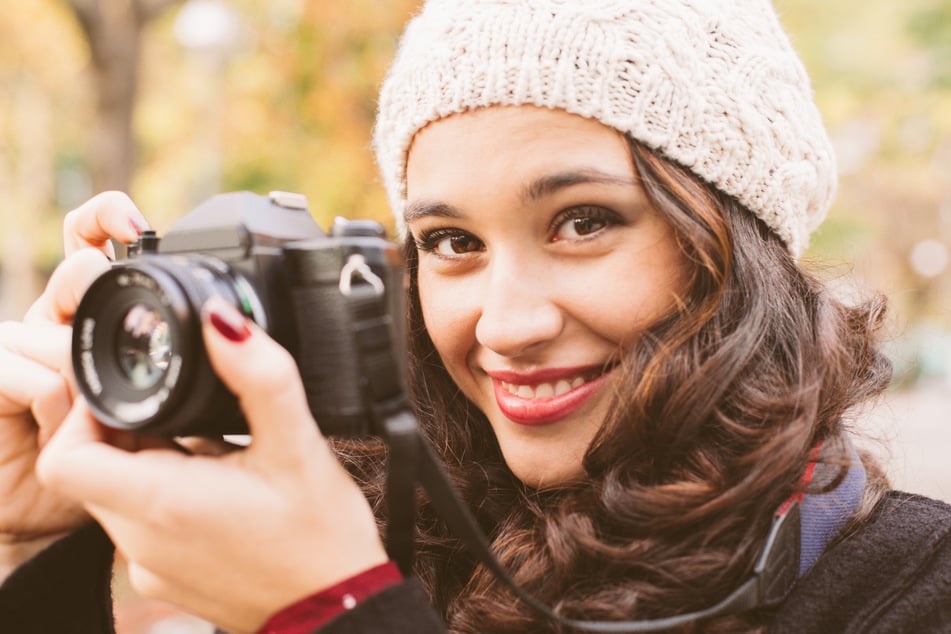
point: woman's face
(540, 258)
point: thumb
(264, 377)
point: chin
(546, 474)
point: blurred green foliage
(931, 25)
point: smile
(543, 390)
(542, 400)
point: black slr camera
(334, 301)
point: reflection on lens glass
(144, 346)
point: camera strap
(402, 436)
(411, 461)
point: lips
(548, 396)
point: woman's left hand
(231, 538)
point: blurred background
(174, 100)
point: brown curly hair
(722, 401)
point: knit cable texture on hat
(713, 85)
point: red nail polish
(229, 323)
(135, 227)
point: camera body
(335, 301)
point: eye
(582, 222)
(448, 242)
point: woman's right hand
(36, 381)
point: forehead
(501, 144)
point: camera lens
(144, 346)
(137, 347)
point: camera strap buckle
(356, 266)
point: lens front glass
(144, 346)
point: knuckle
(51, 400)
(90, 214)
(72, 217)
(47, 468)
(277, 371)
(71, 223)
(144, 582)
(49, 385)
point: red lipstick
(544, 411)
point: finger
(26, 385)
(66, 287)
(78, 462)
(107, 215)
(45, 343)
(36, 374)
(48, 344)
(265, 378)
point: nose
(519, 311)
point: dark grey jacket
(891, 577)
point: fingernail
(135, 227)
(231, 324)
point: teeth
(543, 390)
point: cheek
(449, 318)
(643, 308)
(619, 305)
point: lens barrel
(137, 349)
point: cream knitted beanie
(713, 85)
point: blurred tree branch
(113, 31)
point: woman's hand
(232, 538)
(36, 380)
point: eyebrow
(552, 183)
(534, 191)
(422, 208)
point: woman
(613, 349)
